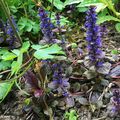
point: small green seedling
(72, 115)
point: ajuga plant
(11, 38)
(7, 34)
(93, 38)
(46, 25)
(59, 83)
(116, 101)
(32, 83)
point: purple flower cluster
(46, 25)
(11, 38)
(93, 38)
(59, 83)
(8, 35)
(116, 101)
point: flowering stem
(2, 3)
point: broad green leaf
(70, 2)
(16, 51)
(8, 56)
(37, 47)
(5, 88)
(58, 4)
(13, 9)
(25, 24)
(86, 3)
(25, 47)
(48, 53)
(5, 65)
(3, 51)
(36, 28)
(107, 18)
(28, 27)
(42, 55)
(103, 13)
(117, 26)
(22, 23)
(82, 9)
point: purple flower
(116, 101)
(11, 38)
(59, 82)
(46, 25)
(8, 35)
(93, 38)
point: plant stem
(52, 4)
(2, 3)
(20, 75)
(47, 108)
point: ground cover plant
(59, 60)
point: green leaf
(5, 65)
(63, 20)
(86, 3)
(72, 115)
(28, 27)
(48, 53)
(36, 28)
(22, 23)
(5, 88)
(16, 51)
(3, 51)
(25, 24)
(8, 56)
(82, 9)
(115, 52)
(38, 47)
(107, 18)
(14, 67)
(13, 9)
(117, 26)
(25, 47)
(58, 4)
(70, 2)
